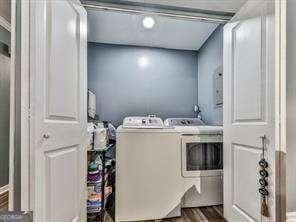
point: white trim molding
(280, 105)
(25, 104)
(12, 107)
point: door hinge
(29, 113)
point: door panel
(248, 104)
(63, 64)
(63, 181)
(249, 109)
(245, 160)
(58, 111)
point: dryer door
(202, 155)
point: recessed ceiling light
(148, 22)
(143, 61)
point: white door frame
(25, 95)
(24, 67)
(9, 27)
(25, 104)
(280, 103)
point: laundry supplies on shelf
(100, 137)
(101, 171)
(94, 190)
(91, 106)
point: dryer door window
(204, 156)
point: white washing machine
(148, 176)
(201, 161)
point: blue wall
(210, 57)
(129, 80)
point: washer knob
(46, 135)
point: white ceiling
(126, 29)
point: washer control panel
(183, 122)
(143, 122)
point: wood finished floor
(4, 202)
(201, 214)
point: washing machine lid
(144, 122)
(199, 129)
(183, 122)
(192, 126)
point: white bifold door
(250, 110)
(58, 110)
(58, 107)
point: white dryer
(201, 161)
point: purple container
(94, 175)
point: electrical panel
(218, 87)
